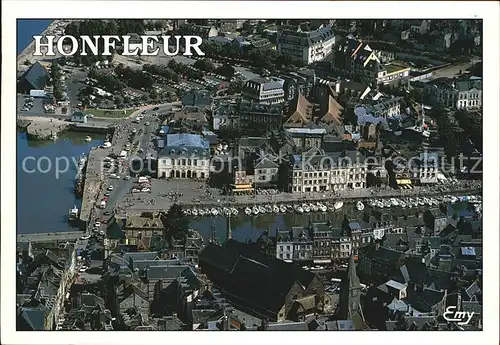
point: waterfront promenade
(141, 202)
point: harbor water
(43, 199)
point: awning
(242, 189)
(325, 261)
(242, 186)
(405, 181)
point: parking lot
(36, 109)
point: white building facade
(265, 90)
(185, 156)
(316, 172)
(306, 46)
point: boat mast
(423, 116)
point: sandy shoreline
(27, 53)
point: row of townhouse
(357, 59)
(316, 171)
(456, 93)
(324, 243)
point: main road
(145, 130)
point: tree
(55, 71)
(119, 101)
(58, 94)
(349, 116)
(204, 65)
(175, 222)
(229, 134)
(226, 70)
(235, 87)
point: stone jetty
(43, 128)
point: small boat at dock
(73, 213)
(88, 139)
(248, 211)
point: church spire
(229, 234)
(350, 292)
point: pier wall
(50, 237)
(43, 128)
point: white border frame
(488, 11)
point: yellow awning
(242, 186)
(406, 181)
(242, 189)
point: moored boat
(73, 213)
(299, 209)
(360, 206)
(338, 205)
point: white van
(103, 204)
